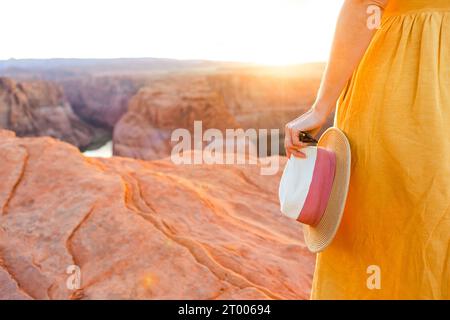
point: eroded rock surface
(142, 230)
(39, 108)
(251, 98)
(101, 100)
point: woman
(392, 88)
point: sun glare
(295, 32)
(277, 32)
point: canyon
(137, 225)
(247, 98)
(138, 103)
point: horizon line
(163, 58)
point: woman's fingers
(295, 137)
(287, 149)
(288, 146)
(309, 122)
(292, 148)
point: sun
(276, 33)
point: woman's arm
(351, 39)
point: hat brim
(317, 238)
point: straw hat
(313, 190)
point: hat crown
(306, 185)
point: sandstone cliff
(142, 230)
(238, 98)
(171, 102)
(39, 108)
(101, 100)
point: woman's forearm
(351, 39)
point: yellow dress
(394, 241)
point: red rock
(236, 98)
(142, 230)
(101, 100)
(39, 108)
(171, 102)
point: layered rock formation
(142, 230)
(39, 108)
(237, 98)
(166, 95)
(174, 101)
(101, 100)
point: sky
(260, 31)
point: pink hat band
(320, 188)
(306, 185)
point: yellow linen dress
(394, 241)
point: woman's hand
(311, 121)
(351, 40)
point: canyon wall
(101, 100)
(141, 102)
(39, 108)
(259, 98)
